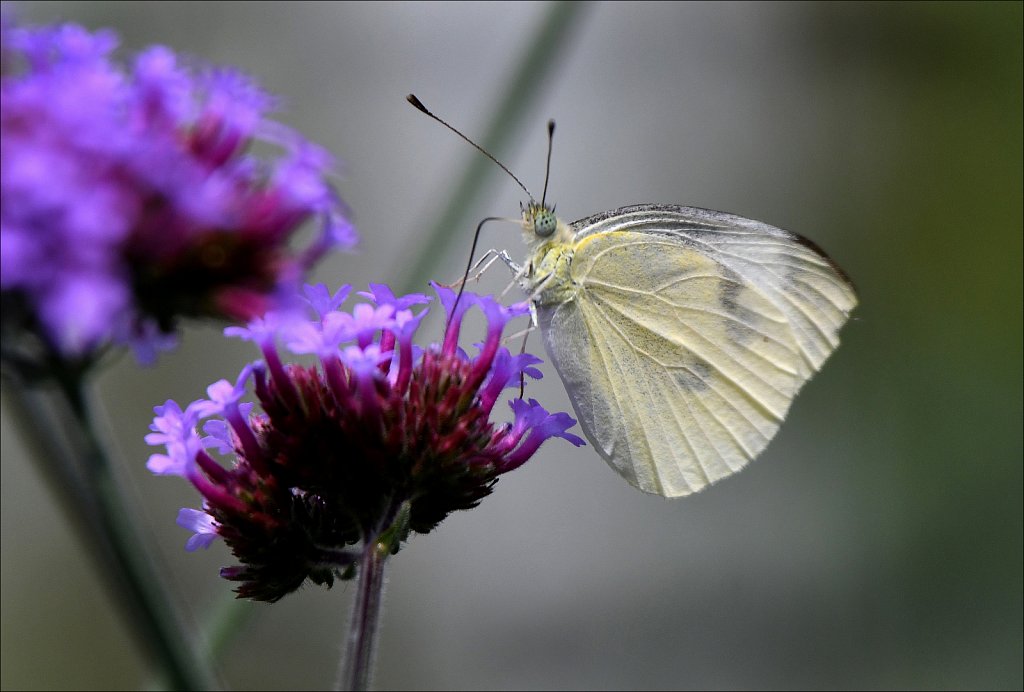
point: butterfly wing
(689, 335)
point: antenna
(547, 168)
(411, 98)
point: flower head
(130, 197)
(382, 437)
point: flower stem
(357, 664)
(81, 476)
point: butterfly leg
(520, 272)
(525, 332)
(537, 290)
(492, 256)
(522, 349)
(483, 264)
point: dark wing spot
(730, 290)
(694, 376)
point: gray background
(877, 542)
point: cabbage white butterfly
(681, 334)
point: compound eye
(544, 223)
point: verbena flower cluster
(383, 436)
(131, 197)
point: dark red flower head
(381, 436)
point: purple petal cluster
(131, 197)
(380, 431)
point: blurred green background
(878, 541)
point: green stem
(357, 664)
(83, 480)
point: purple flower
(381, 438)
(130, 197)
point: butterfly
(681, 334)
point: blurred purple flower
(382, 436)
(130, 197)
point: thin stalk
(82, 478)
(217, 632)
(357, 664)
(153, 606)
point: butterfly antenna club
(547, 167)
(411, 98)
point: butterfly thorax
(546, 278)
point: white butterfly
(681, 334)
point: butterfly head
(541, 225)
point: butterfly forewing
(688, 336)
(809, 288)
